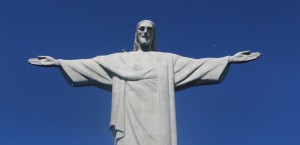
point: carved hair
(137, 44)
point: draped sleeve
(190, 72)
(86, 72)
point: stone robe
(143, 86)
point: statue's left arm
(190, 72)
(80, 72)
(85, 72)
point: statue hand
(45, 61)
(244, 56)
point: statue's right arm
(44, 61)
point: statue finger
(251, 58)
(31, 59)
(253, 55)
(35, 63)
(257, 54)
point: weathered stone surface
(143, 83)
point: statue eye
(150, 29)
(142, 28)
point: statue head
(145, 35)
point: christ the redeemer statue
(143, 83)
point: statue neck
(145, 48)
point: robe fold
(143, 86)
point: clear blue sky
(257, 104)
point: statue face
(145, 34)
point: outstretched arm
(44, 61)
(244, 56)
(79, 72)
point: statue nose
(145, 34)
(146, 30)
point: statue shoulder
(172, 56)
(108, 56)
(168, 54)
